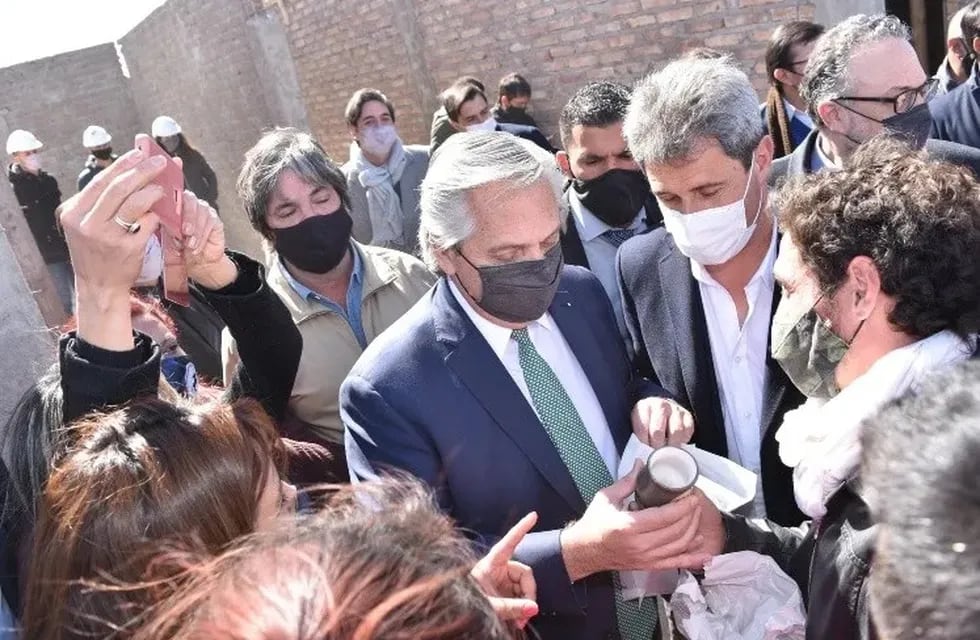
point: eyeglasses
(906, 99)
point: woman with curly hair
(880, 274)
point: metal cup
(668, 473)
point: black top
(830, 562)
(39, 198)
(96, 379)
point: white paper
(726, 484)
(744, 596)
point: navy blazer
(665, 318)
(956, 115)
(797, 130)
(429, 396)
(528, 133)
(798, 162)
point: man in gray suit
(383, 175)
(864, 78)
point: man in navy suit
(468, 110)
(863, 79)
(507, 390)
(699, 294)
(956, 115)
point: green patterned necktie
(578, 451)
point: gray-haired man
(698, 295)
(864, 78)
(507, 390)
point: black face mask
(913, 126)
(316, 244)
(103, 154)
(519, 291)
(615, 197)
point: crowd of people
(427, 382)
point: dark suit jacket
(798, 162)
(528, 133)
(956, 115)
(665, 318)
(430, 397)
(797, 130)
(571, 243)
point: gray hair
(466, 162)
(277, 151)
(690, 100)
(826, 74)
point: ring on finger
(130, 227)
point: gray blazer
(408, 190)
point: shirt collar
(590, 226)
(304, 292)
(496, 336)
(763, 273)
(823, 158)
(792, 112)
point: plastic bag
(743, 595)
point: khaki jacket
(393, 281)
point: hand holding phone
(169, 210)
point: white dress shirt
(739, 355)
(551, 345)
(601, 253)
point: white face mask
(490, 124)
(378, 140)
(712, 236)
(33, 163)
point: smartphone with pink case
(169, 210)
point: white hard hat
(95, 136)
(20, 140)
(164, 126)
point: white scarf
(384, 206)
(822, 439)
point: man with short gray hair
(507, 390)
(864, 78)
(698, 295)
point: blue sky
(32, 29)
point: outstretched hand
(509, 584)
(107, 226)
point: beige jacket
(393, 282)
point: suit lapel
(690, 334)
(481, 372)
(571, 243)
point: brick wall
(57, 97)
(196, 60)
(557, 44)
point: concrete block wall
(412, 49)
(57, 97)
(191, 60)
